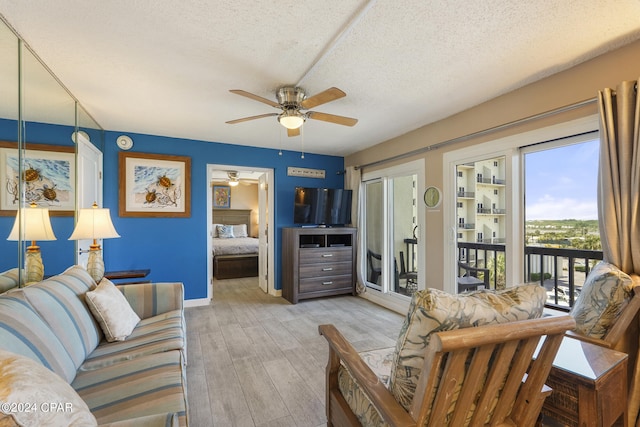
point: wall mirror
(40, 122)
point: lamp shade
(94, 223)
(36, 225)
(291, 119)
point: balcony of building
(466, 195)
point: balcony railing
(494, 180)
(467, 194)
(484, 210)
(561, 271)
(467, 226)
(499, 211)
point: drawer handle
(327, 255)
(327, 269)
(327, 283)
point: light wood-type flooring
(257, 360)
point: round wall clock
(432, 197)
(124, 142)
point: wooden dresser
(318, 262)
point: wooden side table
(589, 385)
(128, 274)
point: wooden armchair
(485, 374)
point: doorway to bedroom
(239, 202)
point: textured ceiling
(165, 67)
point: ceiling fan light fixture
(233, 178)
(291, 119)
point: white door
(263, 241)
(89, 179)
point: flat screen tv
(322, 206)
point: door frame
(270, 224)
(84, 145)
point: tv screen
(322, 206)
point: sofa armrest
(156, 420)
(9, 279)
(151, 299)
(340, 350)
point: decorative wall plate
(432, 197)
(124, 142)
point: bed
(237, 256)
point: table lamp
(36, 225)
(94, 223)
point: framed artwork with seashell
(48, 178)
(154, 185)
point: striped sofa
(9, 279)
(139, 381)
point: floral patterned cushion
(432, 310)
(358, 401)
(604, 295)
(380, 363)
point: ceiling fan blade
(328, 95)
(293, 132)
(246, 119)
(255, 97)
(332, 118)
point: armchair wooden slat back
(473, 376)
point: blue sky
(561, 183)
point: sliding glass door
(404, 226)
(374, 233)
(391, 223)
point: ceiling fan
(292, 100)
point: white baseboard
(197, 302)
(275, 292)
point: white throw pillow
(240, 230)
(112, 310)
(32, 395)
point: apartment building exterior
(481, 205)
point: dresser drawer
(319, 255)
(318, 284)
(325, 269)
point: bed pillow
(41, 397)
(225, 231)
(240, 230)
(215, 229)
(112, 310)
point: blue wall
(175, 249)
(59, 254)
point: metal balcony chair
(374, 270)
(469, 280)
